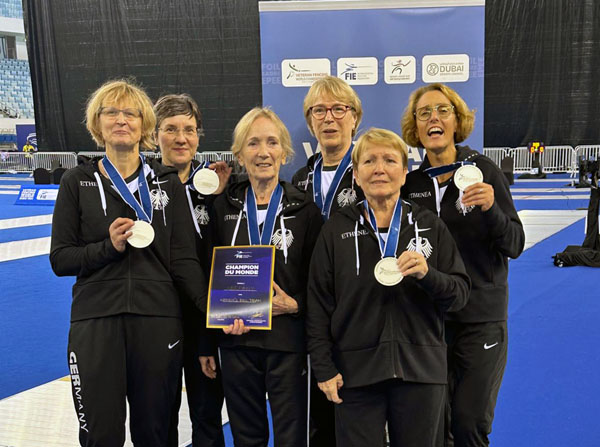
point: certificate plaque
(241, 286)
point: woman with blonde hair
(265, 210)
(471, 195)
(121, 227)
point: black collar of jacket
(90, 165)
(293, 198)
(463, 153)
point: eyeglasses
(338, 111)
(188, 132)
(443, 111)
(113, 113)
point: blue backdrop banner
(26, 134)
(385, 50)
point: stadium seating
(15, 87)
(11, 9)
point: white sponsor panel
(47, 194)
(358, 70)
(446, 68)
(400, 70)
(303, 72)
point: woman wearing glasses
(178, 130)
(471, 195)
(382, 274)
(121, 226)
(333, 112)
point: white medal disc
(387, 272)
(142, 234)
(206, 181)
(466, 176)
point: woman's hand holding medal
(479, 194)
(119, 232)
(412, 263)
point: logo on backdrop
(400, 70)
(303, 72)
(446, 68)
(358, 70)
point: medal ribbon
(388, 248)
(337, 179)
(439, 170)
(264, 238)
(190, 180)
(144, 210)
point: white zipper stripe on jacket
(237, 227)
(418, 244)
(162, 204)
(438, 199)
(283, 238)
(362, 222)
(191, 206)
(101, 190)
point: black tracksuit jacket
(301, 219)
(369, 332)
(144, 281)
(347, 193)
(485, 239)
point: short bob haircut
(380, 137)
(173, 105)
(120, 92)
(340, 91)
(242, 129)
(465, 118)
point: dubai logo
(159, 199)
(433, 69)
(346, 197)
(277, 239)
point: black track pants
(205, 402)
(131, 357)
(413, 412)
(250, 373)
(476, 362)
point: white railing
(588, 151)
(553, 159)
(91, 154)
(16, 162)
(215, 156)
(48, 160)
(496, 154)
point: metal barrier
(92, 154)
(587, 151)
(151, 154)
(522, 159)
(15, 162)
(46, 159)
(496, 154)
(553, 159)
(215, 156)
(559, 159)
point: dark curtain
(540, 77)
(209, 49)
(541, 72)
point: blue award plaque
(241, 286)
